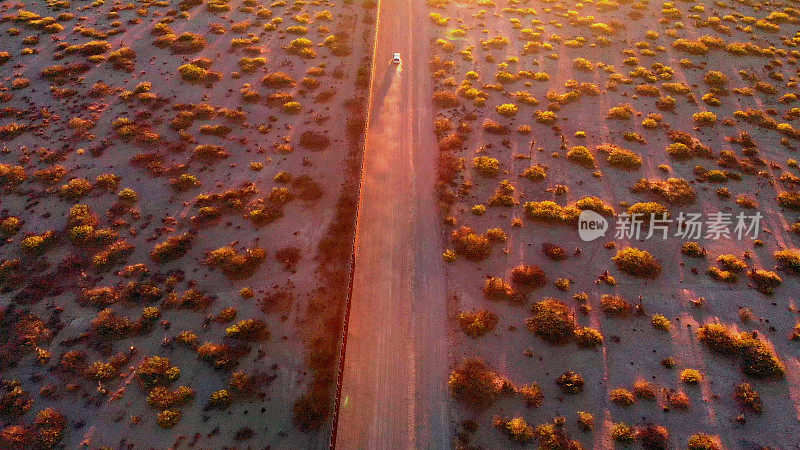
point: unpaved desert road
(394, 391)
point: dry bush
(236, 266)
(173, 248)
(471, 245)
(636, 262)
(498, 289)
(615, 306)
(570, 382)
(477, 323)
(551, 320)
(702, 441)
(674, 190)
(474, 384)
(530, 276)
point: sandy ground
(394, 393)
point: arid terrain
(547, 109)
(179, 194)
(194, 255)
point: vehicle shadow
(382, 89)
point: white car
(396, 58)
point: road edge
(348, 300)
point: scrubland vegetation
(159, 164)
(657, 110)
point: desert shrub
(16, 437)
(789, 200)
(748, 397)
(486, 166)
(624, 159)
(516, 429)
(472, 246)
(75, 189)
(164, 398)
(621, 396)
(234, 265)
(587, 337)
(445, 99)
(249, 330)
(503, 195)
(128, 195)
(694, 249)
(673, 190)
(186, 43)
(184, 182)
(477, 323)
(725, 276)
(11, 175)
(310, 411)
(544, 210)
(546, 117)
(194, 73)
(765, 280)
(535, 173)
(623, 433)
(704, 118)
(644, 389)
(173, 248)
(653, 436)
(168, 418)
(10, 226)
(570, 382)
(759, 359)
(111, 254)
(498, 289)
(620, 112)
(529, 275)
(302, 47)
(637, 262)
(680, 151)
(292, 107)
(702, 441)
(37, 244)
(582, 156)
(715, 78)
(531, 395)
(49, 425)
(719, 338)
(691, 376)
(551, 320)
(507, 109)
(186, 338)
(155, 370)
(615, 306)
(585, 420)
(278, 80)
(583, 64)
(101, 371)
(208, 152)
(314, 141)
(731, 262)
(789, 258)
(648, 210)
(220, 399)
(660, 322)
(692, 47)
(474, 384)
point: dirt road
(394, 387)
